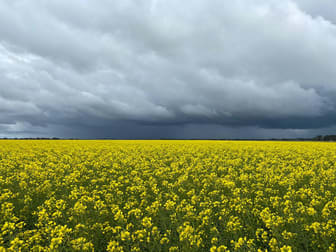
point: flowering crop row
(167, 196)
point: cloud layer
(147, 69)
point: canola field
(70, 195)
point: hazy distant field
(167, 195)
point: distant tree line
(327, 138)
(31, 138)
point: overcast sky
(167, 69)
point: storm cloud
(157, 69)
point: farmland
(85, 195)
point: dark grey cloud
(325, 9)
(150, 69)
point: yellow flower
(125, 235)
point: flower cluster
(167, 196)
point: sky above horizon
(167, 69)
